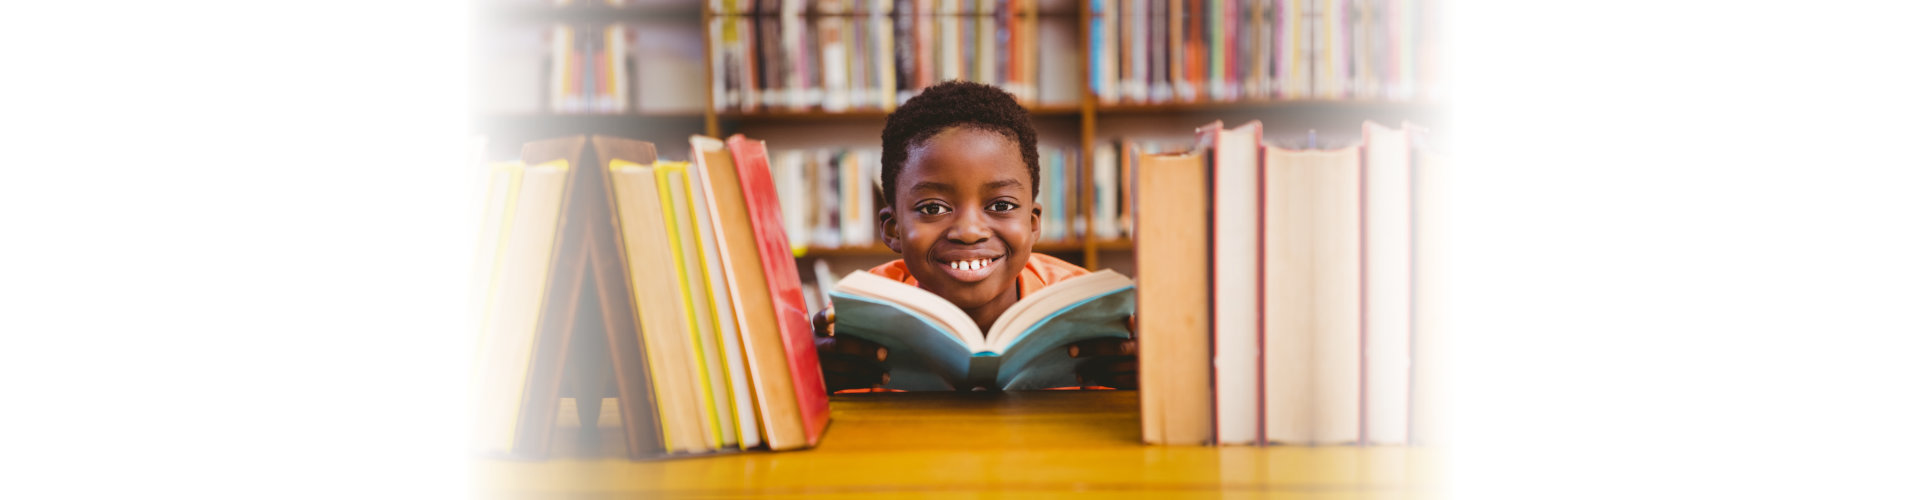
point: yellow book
(670, 178)
(685, 428)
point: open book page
(933, 345)
(920, 355)
(1039, 360)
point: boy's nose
(969, 229)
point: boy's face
(963, 217)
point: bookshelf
(1068, 114)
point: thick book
(932, 345)
(1430, 179)
(1310, 296)
(1176, 395)
(1289, 190)
(1387, 285)
(1336, 286)
(1235, 164)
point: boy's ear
(889, 229)
(1035, 216)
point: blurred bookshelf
(660, 70)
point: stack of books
(1276, 290)
(678, 270)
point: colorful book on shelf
(1176, 393)
(933, 345)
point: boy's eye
(1001, 206)
(931, 209)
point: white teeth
(970, 265)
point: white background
(234, 241)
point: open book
(932, 345)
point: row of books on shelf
(678, 270)
(838, 63)
(831, 197)
(1283, 293)
(1153, 51)
(883, 7)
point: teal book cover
(933, 346)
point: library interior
(675, 189)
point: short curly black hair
(950, 104)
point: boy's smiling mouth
(968, 268)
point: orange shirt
(1041, 270)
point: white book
(949, 67)
(1429, 233)
(833, 64)
(1236, 310)
(723, 317)
(561, 43)
(620, 99)
(503, 182)
(986, 53)
(856, 202)
(1388, 290)
(790, 182)
(1106, 199)
(1290, 190)
(725, 96)
(1336, 291)
(515, 294)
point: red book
(783, 280)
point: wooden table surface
(1041, 444)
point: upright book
(1388, 285)
(1235, 164)
(520, 241)
(1310, 293)
(937, 347)
(1176, 393)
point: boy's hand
(847, 363)
(1109, 362)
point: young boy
(959, 169)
